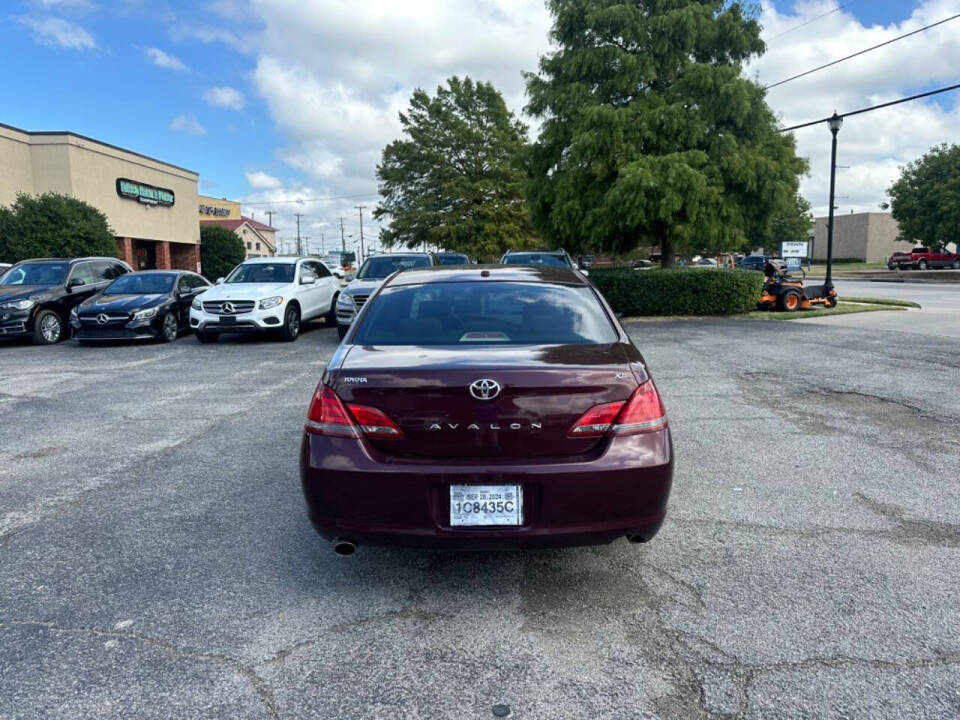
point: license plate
(228, 320)
(472, 505)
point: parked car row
(98, 298)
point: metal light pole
(835, 123)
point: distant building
(869, 237)
(259, 240)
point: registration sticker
(486, 505)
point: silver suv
(372, 273)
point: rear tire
(922, 265)
(342, 331)
(291, 324)
(169, 328)
(331, 317)
(47, 328)
(207, 337)
(789, 301)
(956, 265)
(891, 267)
(830, 303)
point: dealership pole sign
(142, 193)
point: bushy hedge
(691, 291)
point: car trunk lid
(543, 391)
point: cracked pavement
(156, 560)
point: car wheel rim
(50, 328)
(170, 327)
(294, 324)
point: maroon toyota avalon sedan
(486, 407)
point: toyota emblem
(102, 319)
(228, 308)
(484, 389)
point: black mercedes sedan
(153, 304)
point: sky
(283, 104)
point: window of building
(258, 246)
(248, 246)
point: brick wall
(125, 250)
(184, 256)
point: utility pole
(323, 250)
(270, 218)
(299, 249)
(343, 240)
(360, 209)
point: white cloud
(335, 79)
(187, 124)
(262, 180)
(57, 32)
(161, 59)
(225, 97)
(873, 145)
(67, 5)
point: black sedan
(154, 304)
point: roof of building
(234, 224)
(42, 133)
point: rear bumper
(353, 492)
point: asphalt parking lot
(156, 560)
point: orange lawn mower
(787, 293)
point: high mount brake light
(642, 412)
(328, 416)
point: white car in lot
(269, 294)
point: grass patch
(844, 307)
(820, 267)
(881, 301)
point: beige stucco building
(871, 237)
(150, 205)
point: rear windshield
(535, 259)
(485, 313)
(453, 259)
(380, 267)
(152, 284)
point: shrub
(53, 225)
(221, 250)
(679, 292)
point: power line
(315, 199)
(861, 52)
(813, 20)
(875, 107)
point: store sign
(214, 210)
(794, 249)
(146, 194)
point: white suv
(268, 294)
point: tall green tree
(221, 250)
(456, 178)
(53, 225)
(925, 200)
(790, 223)
(649, 131)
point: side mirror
(219, 281)
(584, 272)
(77, 282)
(307, 278)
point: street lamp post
(835, 123)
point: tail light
(642, 412)
(328, 416)
(374, 423)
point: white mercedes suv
(268, 294)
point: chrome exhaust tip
(344, 547)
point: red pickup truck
(921, 258)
